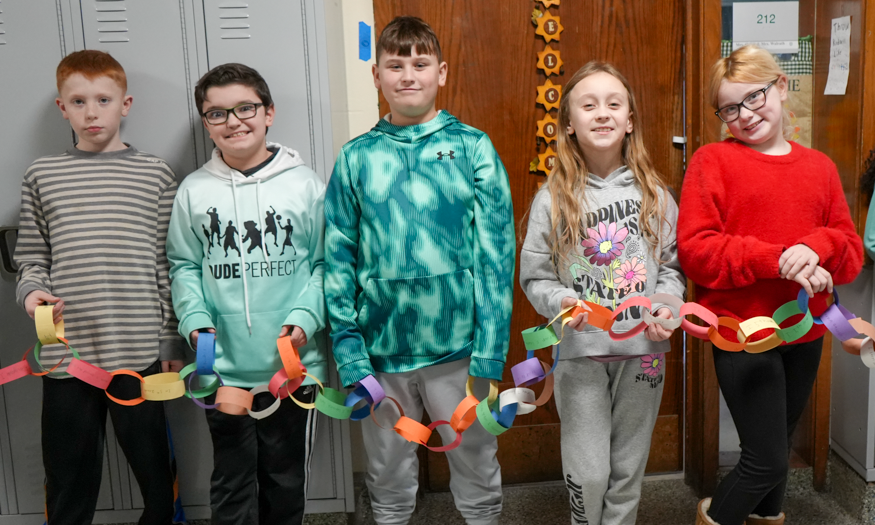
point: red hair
(91, 64)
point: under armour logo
(441, 155)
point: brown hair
(227, 74)
(91, 64)
(568, 181)
(403, 34)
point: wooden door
(492, 51)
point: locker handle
(6, 248)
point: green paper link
(203, 392)
(539, 337)
(39, 345)
(489, 423)
(330, 403)
(792, 333)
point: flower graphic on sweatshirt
(604, 245)
(652, 364)
(630, 273)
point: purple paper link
(834, 319)
(527, 372)
(373, 388)
(198, 401)
(848, 315)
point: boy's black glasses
(242, 112)
(754, 101)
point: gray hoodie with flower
(612, 263)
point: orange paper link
(720, 341)
(127, 402)
(600, 317)
(853, 346)
(465, 414)
(412, 431)
(290, 357)
(233, 401)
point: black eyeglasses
(754, 101)
(242, 112)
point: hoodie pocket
(419, 316)
(240, 353)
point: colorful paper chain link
(496, 412)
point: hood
(287, 158)
(619, 178)
(415, 133)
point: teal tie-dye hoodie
(419, 243)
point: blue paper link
(364, 41)
(507, 415)
(206, 353)
(359, 394)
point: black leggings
(766, 394)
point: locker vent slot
(236, 29)
(111, 21)
(2, 31)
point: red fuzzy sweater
(740, 209)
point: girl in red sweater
(761, 217)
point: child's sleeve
(185, 254)
(869, 234)
(837, 243)
(170, 346)
(670, 279)
(708, 255)
(538, 277)
(494, 262)
(342, 215)
(308, 312)
(33, 253)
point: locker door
(149, 40)
(31, 45)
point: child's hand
(797, 259)
(38, 298)
(299, 339)
(579, 322)
(821, 280)
(174, 365)
(656, 332)
(193, 336)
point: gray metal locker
(165, 46)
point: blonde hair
(750, 65)
(568, 181)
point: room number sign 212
(765, 19)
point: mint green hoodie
(246, 258)
(420, 242)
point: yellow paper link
(755, 324)
(46, 330)
(308, 406)
(566, 316)
(162, 387)
(493, 389)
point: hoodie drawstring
(258, 208)
(242, 257)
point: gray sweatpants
(608, 411)
(393, 468)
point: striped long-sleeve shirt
(92, 232)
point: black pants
(766, 394)
(260, 467)
(73, 436)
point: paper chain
(496, 412)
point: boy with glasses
(248, 297)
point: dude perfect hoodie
(613, 263)
(246, 258)
(420, 242)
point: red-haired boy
(91, 241)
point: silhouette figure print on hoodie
(215, 224)
(270, 225)
(253, 236)
(209, 237)
(230, 239)
(288, 228)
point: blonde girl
(602, 229)
(760, 218)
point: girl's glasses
(754, 101)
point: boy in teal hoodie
(234, 275)
(419, 273)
